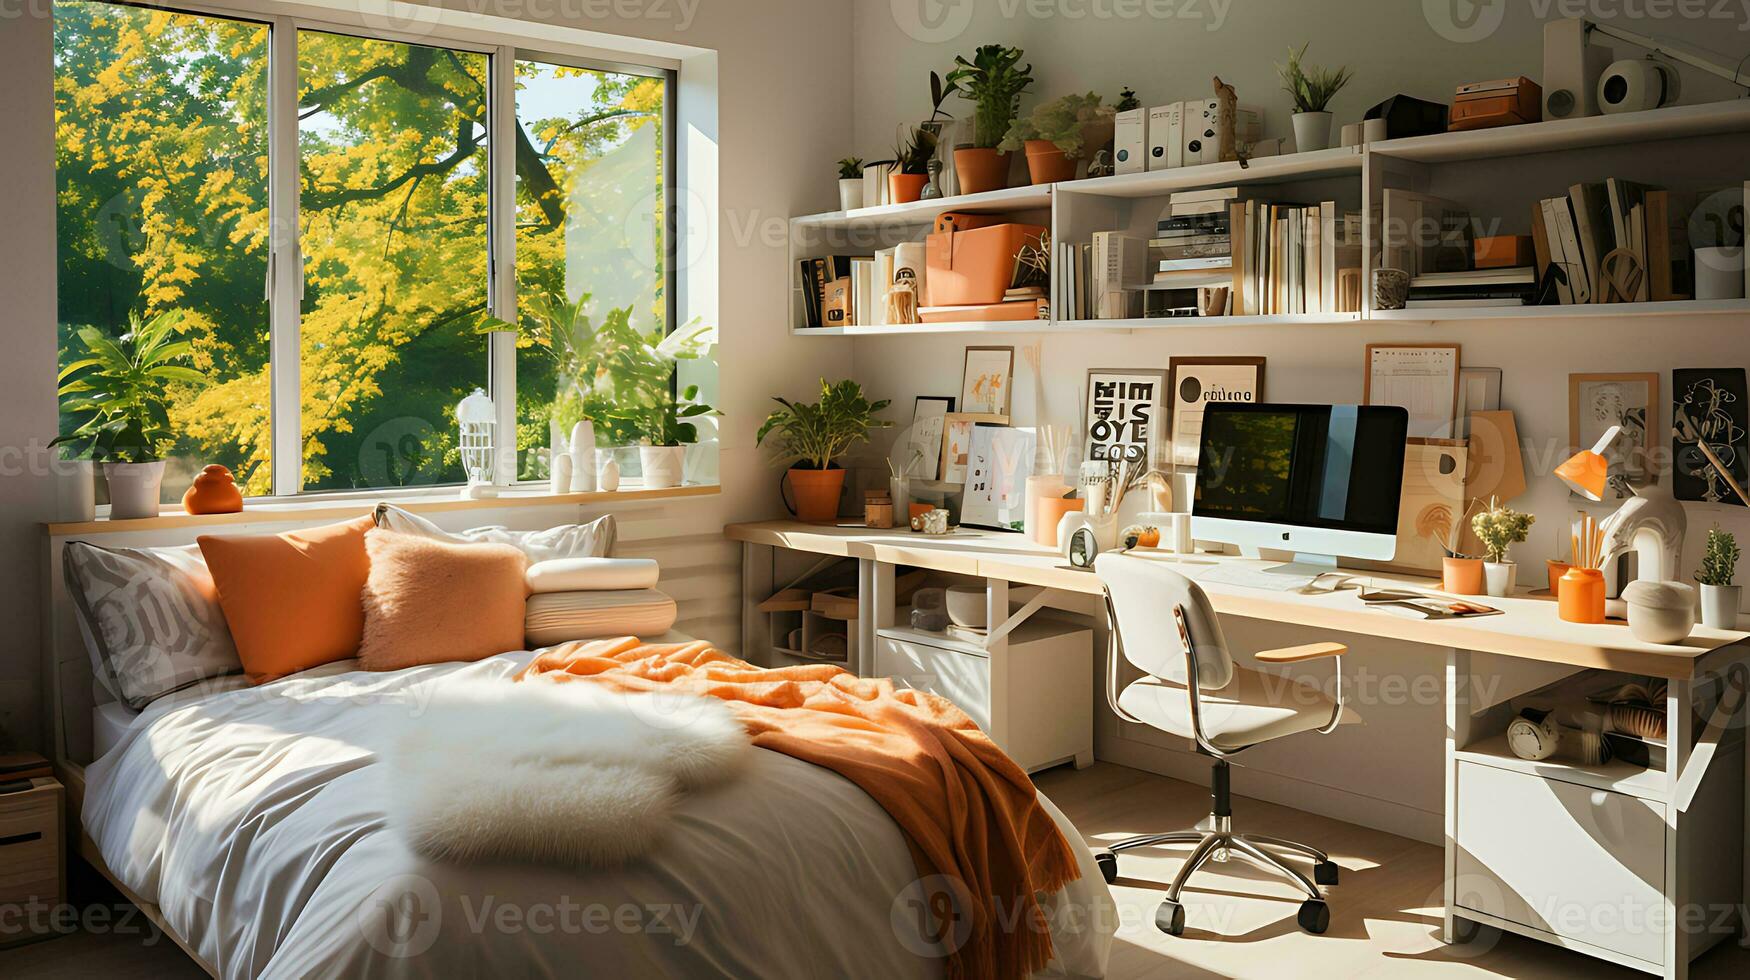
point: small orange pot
(906, 188)
(1556, 570)
(1462, 576)
(1582, 596)
(1047, 164)
(1048, 514)
(981, 169)
(817, 494)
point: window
(333, 358)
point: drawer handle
(21, 838)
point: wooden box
(32, 857)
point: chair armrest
(1301, 654)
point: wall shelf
(924, 212)
(1675, 122)
(1579, 311)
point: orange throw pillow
(429, 601)
(291, 599)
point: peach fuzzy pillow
(429, 601)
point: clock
(1534, 735)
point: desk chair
(1193, 690)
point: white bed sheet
(109, 725)
(255, 819)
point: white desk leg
(876, 609)
(997, 611)
(1458, 734)
(1680, 734)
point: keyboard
(1277, 578)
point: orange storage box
(974, 267)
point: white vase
(850, 194)
(75, 489)
(1500, 578)
(1719, 272)
(662, 465)
(1720, 604)
(133, 489)
(582, 450)
(1312, 131)
(609, 479)
(560, 480)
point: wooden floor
(1385, 916)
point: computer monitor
(1322, 481)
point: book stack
(1576, 232)
(1474, 288)
(1293, 258)
(1194, 242)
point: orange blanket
(970, 814)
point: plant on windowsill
(993, 82)
(1058, 134)
(1499, 528)
(118, 395)
(810, 437)
(1720, 599)
(850, 183)
(668, 429)
(1312, 90)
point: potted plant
(1461, 574)
(117, 393)
(1500, 527)
(667, 430)
(1312, 90)
(911, 169)
(1720, 599)
(993, 82)
(850, 183)
(1059, 133)
(810, 437)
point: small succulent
(1719, 561)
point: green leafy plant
(117, 392)
(850, 168)
(1500, 527)
(811, 436)
(1073, 123)
(1719, 560)
(913, 154)
(1311, 88)
(993, 83)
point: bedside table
(33, 859)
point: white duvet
(255, 819)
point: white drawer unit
(1033, 693)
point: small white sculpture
(610, 476)
(582, 453)
(561, 478)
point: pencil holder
(1582, 596)
(1557, 569)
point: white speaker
(1165, 149)
(1571, 70)
(1632, 86)
(1130, 141)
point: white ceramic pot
(1720, 604)
(560, 481)
(967, 607)
(1500, 578)
(75, 489)
(850, 194)
(133, 489)
(1660, 612)
(662, 465)
(608, 480)
(1312, 131)
(1719, 272)
(582, 454)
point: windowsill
(340, 507)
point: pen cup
(1582, 596)
(1556, 570)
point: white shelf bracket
(1695, 770)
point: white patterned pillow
(592, 540)
(559, 617)
(151, 619)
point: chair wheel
(1170, 918)
(1108, 863)
(1325, 872)
(1314, 916)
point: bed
(250, 823)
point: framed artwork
(997, 467)
(984, 383)
(1598, 401)
(1709, 405)
(957, 442)
(1423, 379)
(923, 447)
(1125, 410)
(1196, 383)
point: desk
(1699, 830)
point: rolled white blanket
(558, 617)
(592, 575)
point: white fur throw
(554, 772)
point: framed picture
(923, 449)
(984, 383)
(997, 468)
(957, 442)
(1709, 405)
(1423, 379)
(1196, 383)
(1125, 410)
(1598, 401)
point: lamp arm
(1666, 48)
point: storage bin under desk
(1037, 704)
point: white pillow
(150, 617)
(593, 574)
(592, 540)
(558, 617)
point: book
(1190, 241)
(883, 283)
(1207, 224)
(862, 290)
(1239, 286)
(1658, 247)
(1415, 303)
(1592, 228)
(1539, 240)
(1328, 225)
(1515, 275)
(1222, 261)
(1224, 195)
(1623, 195)
(1118, 269)
(1565, 240)
(1028, 309)
(1197, 208)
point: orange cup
(1582, 596)
(1462, 576)
(916, 510)
(1048, 514)
(1556, 570)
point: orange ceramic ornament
(213, 492)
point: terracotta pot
(1462, 576)
(214, 491)
(1047, 164)
(906, 188)
(1582, 598)
(981, 169)
(817, 494)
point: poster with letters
(1124, 414)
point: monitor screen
(1321, 466)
